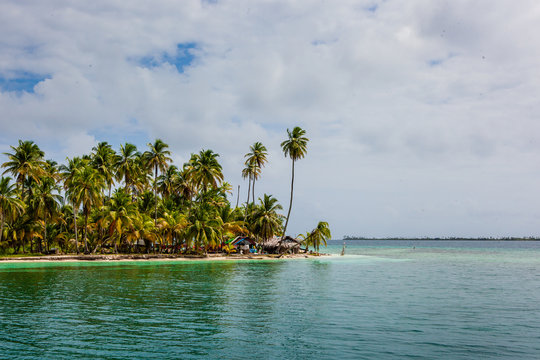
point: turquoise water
(384, 300)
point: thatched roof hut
(275, 245)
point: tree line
(128, 200)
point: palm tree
(157, 158)
(319, 235)
(87, 188)
(121, 215)
(26, 161)
(266, 222)
(172, 226)
(9, 203)
(232, 220)
(46, 204)
(183, 185)
(103, 160)
(68, 173)
(205, 170)
(125, 165)
(205, 227)
(257, 157)
(295, 147)
(248, 173)
(167, 181)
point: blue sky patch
(21, 81)
(131, 131)
(181, 59)
(435, 62)
(373, 8)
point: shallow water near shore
(384, 300)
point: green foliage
(165, 207)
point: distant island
(527, 238)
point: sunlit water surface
(383, 300)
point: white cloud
(423, 116)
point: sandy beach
(143, 257)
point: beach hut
(244, 244)
(275, 245)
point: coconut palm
(204, 227)
(157, 158)
(142, 176)
(184, 186)
(125, 165)
(103, 160)
(319, 235)
(232, 220)
(167, 181)
(248, 172)
(68, 173)
(87, 188)
(121, 215)
(205, 170)
(172, 227)
(10, 205)
(257, 157)
(266, 222)
(26, 161)
(46, 204)
(294, 147)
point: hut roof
(275, 240)
(239, 240)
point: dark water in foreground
(383, 300)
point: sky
(423, 116)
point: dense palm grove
(132, 201)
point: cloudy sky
(423, 116)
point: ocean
(382, 300)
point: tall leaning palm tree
(157, 158)
(257, 157)
(294, 147)
(9, 203)
(26, 161)
(248, 173)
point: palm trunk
(75, 226)
(155, 196)
(85, 231)
(1, 225)
(247, 201)
(290, 203)
(249, 189)
(45, 234)
(238, 196)
(253, 189)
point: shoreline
(147, 257)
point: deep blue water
(383, 300)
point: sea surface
(382, 300)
